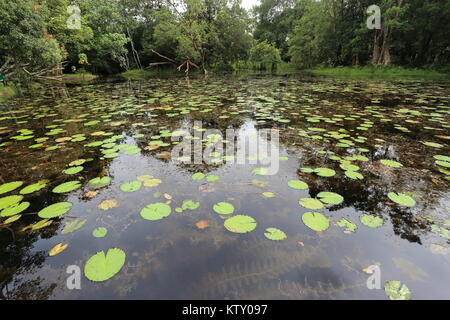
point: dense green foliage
(332, 33)
(121, 35)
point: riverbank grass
(369, 71)
(6, 92)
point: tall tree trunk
(134, 52)
(376, 47)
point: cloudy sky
(249, 3)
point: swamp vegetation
(89, 178)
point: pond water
(394, 215)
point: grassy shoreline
(6, 92)
(78, 77)
(369, 71)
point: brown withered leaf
(202, 224)
(57, 249)
(90, 194)
(108, 204)
(167, 196)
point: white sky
(248, 4)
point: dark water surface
(321, 121)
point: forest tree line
(119, 35)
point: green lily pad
(9, 201)
(156, 211)
(330, 197)
(396, 291)
(73, 170)
(433, 144)
(371, 221)
(189, 204)
(99, 232)
(348, 166)
(392, 164)
(297, 184)
(55, 210)
(223, 208)
(10, 186)
(354, 175)
(240, 224)
(441, 163)
(316, 221)
(32, 188)
(212, 178)
(268, 194)
(101, 267)
(348, 225)
(442, 158)
(443, 232)
(131, 186)
(67, 187)
(198, 176)
(402, 199)
(98, 182)
(325, 172)
(275, 234)
(260, 171)
(311, 203)
(15, 209)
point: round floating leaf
(10, 186)
(9, 201)
(268, 194)
(77, 162)
(240, 224)
(99, 232)
(310, 203)
(396, 291)
(16, 209)
(371, 221)
(55, 210)
(330, 197)
(433, 144)
(198, 176)
(441, 231)
(189, 204)
(212, 178)
(101, 267)
(442, 158)
(316, 221)
(156, 211)
(32, 188)
(275, 234)
(354, 175)
(348, 166)
(392, 164)
(98, 182)
(223, 208)
(348, 225)
(297, 184)
(260, 171)
(67, 187)
(131, 186)
(441, 163)
(152, 182)
(402, 199)
(325, 172)
(73, 170)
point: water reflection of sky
(171, 258)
